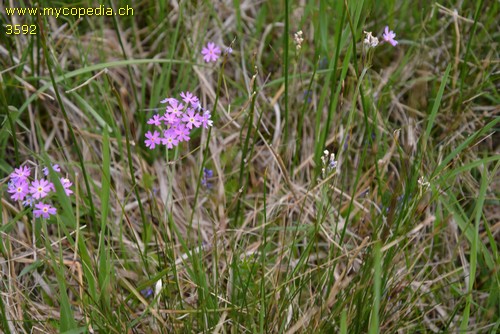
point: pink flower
(40, 188)
(191, 118)
(66, 183)
(211, 52)
(156, 120)
(182, 133)
(54, 167)
(388, 36)
(169, 139)
(153, 139)
(44, 210)
(19, 189)
(175, 108)
(189, 98)
(170, 119)
(22, 173)
(169, 100)
(205, 119)
(175, 124)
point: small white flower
(328, 163)
(297, 37)
(369, 40)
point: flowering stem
(68, 124)
(334, 93)
(205, 152)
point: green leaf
(30, 268)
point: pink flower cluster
(179, 119)
(21, 189)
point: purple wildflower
(169, 100)
(156, 120)
(190, 98)
(169, 119)
(175, 125)
(191, 118)
(211, 52)
(66, 183)
(169, 139)
(44, 210)
(54, 167)
(40, 188)
(388, 36)
(175, 108)
(19, 189)
(22, 173)
(153, 139)
(147, 292)
(182, 132)
(205, 119)
(207, 173)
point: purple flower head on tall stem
(44, 210)
(66, 183)
(211, 52)
(170, 139)
(22, 172)
(175, 108)
(190, 98)
(153, 139)
(191, 119)
(40, 188)
(389, 35)
(19, 189)
(155, 120)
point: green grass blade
(377, 278)
(474, 250)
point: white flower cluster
(329, 163)
(297, 38)
(370, 41)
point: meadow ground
(250, 226)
